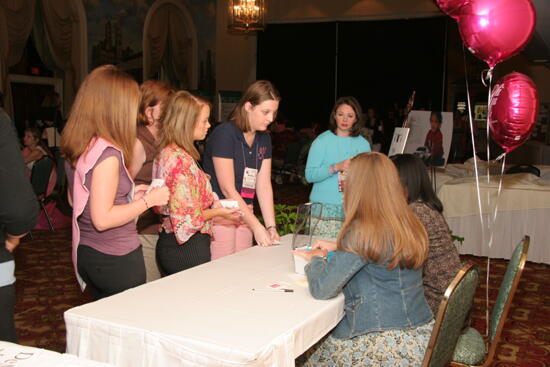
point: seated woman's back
(376, 298)
(443, 262)
(378, 266)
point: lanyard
(244, 156)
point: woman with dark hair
(329, 158)
(443, 262)
(238, 159)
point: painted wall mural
(115, 34)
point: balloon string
(470, 119)
(494, 220)
(488, 78)
(490, 224)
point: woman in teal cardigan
(328, 160)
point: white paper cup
(157, 182)
(229, 204)
(299, 262)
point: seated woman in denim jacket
(378, 265)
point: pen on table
(281, 290)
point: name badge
(341, 179)
(249, 183)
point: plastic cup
(299, 262)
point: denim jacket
(376, 298)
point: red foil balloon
(450, 7)
(513, 111)
(495, 30)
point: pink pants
(229, 237)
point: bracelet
(145, 201)
(269, 227)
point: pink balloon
(513, 111)
(450, 7)
(495, 30)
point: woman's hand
(157, 197)
(310, 254)
(261, 236)
(273, 234)
(139, 191)
(342, 166)
(229, 213)
(329, 246)
(12, 241)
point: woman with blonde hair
(97, 143)
(238, 159)
(378, 265)
(187, 224)
(154, 96)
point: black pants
(173, 258)
(110, 274)
(7, 303)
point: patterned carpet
(46, 287)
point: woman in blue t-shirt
(328, 160)
(238, 159)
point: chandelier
(246, 15)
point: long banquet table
(523, 209)
(15, 355)
(208, 316)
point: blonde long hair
(105, 106)
(379, 224)
(178, 121)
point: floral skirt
(402, 348)
(328, 228)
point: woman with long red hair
(98, 141)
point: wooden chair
(470, 349)
(451, 316)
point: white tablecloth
(207, 316)
(523, 209)
(510, 228)
(14, 355)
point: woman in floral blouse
(184, 241)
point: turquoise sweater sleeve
(317, 166)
